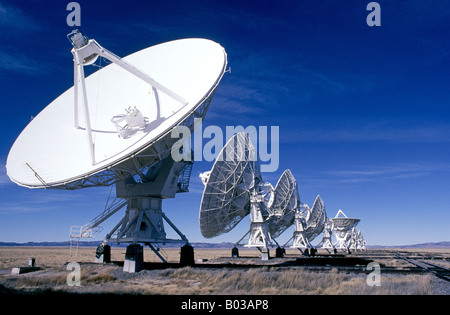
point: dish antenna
(342, 229)
(226, 197)
(357, 241)
(234, 189)
(286, 201)
(283, 209)
(360, 241)
(309, 223)
(326, 242)
(117, 126)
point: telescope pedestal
(103, 254)
(259, 231)
(280, 252)
(300, 241)
(144, 219)
(326, 242)
(342, 240)
(265, 255)
(187, 255)
(134, 258)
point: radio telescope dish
(285, 203)
(309, 223)
(121, 121)
(316, 220)
(234, 189)
(360, 241)
(226, 198)
(117, 126)
(342, 227)
(326, 242)
(342, 223)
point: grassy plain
(109, 278)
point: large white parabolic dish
(226, 197)
(316, 220)
(342, 223)
(52, 152)
(286, 202)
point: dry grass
(11, 257)
(275, 281)
(193, 280)
(258, 281)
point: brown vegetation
(109, 278)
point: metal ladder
(92, 228)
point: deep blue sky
(363, 111)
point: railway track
(438, 271)
(417, 263)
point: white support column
(299, 237)
(300, 240)
(326, 242)
(342, 240)
(259, 231)
(75, 90)
(86, 109)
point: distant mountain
(444, 244)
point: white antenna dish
(343, 223)
(342, 226)
(360, 241)
(285, 204)
(226, 197)
(309, 223)
(316, 221)
(117, 121)
(234, 189)
(115, 127)
(326, 242)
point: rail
(438, 271)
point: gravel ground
(439, 286)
